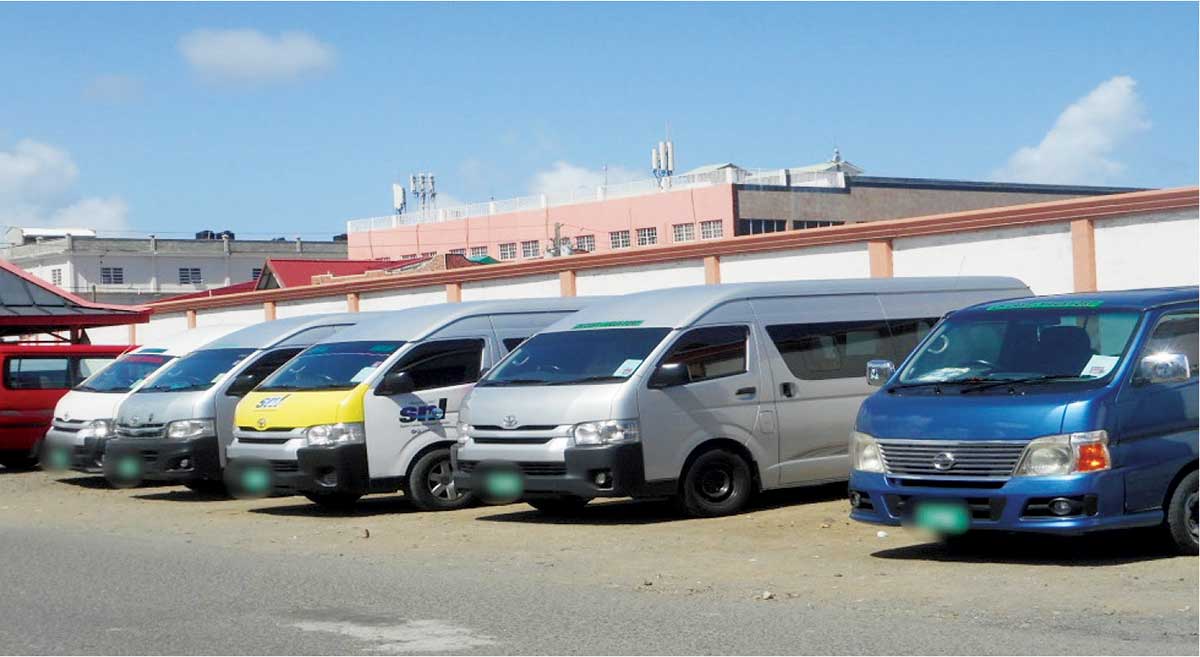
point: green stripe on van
(617, 324)
(1048, 304)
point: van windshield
(331, 366)
(125, 373)
(570, 357)
(1027, 343)
(198, 370)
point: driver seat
(1064, 349)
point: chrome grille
(140, 431)
(70, 426)
(951, 458)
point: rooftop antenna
(424, 190)
(662, 159)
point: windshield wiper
(187, 388)
(987, 384)
(515, 382)
(588, 379)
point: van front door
(441, 373)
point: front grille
(285, 466)
(513, 441)
(947, 458)
(140, 431)
(523, 427)
(267, 430)
(69, 426)
(528, 468)
(247, 440)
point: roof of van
(265, 334)
(415, 323)
(680, 306)
(1140, 299)
(187, 341)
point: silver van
(705, 394)
(374, 409)
(176, 426)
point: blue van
(1059, 414)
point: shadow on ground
(97, 482)
(641, 512)
(367, 506)
(1099, 549)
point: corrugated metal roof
(31, 305)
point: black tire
(19, 462)
(339, 501)
(207, 487)
(1181, 518)
(430, 485)
(559, 505)
(717, 483)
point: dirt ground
(797, 546)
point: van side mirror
(242, 384)
(879, 371)
(1164, 368)
(669, 375)
(395, 383)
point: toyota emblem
(943, 461)
(509, 422)
(135, 421)
(262, 423)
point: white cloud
(564, 178)
(37, 188)
(250, 56)
(1079, 149)
(113, 88)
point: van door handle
(750, 390)
(787, 389)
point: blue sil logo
(424, 413)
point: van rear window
(840, 350)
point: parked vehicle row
(1010, 412)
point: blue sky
(285, 119)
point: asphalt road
(67, 591)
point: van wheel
(559, 505)
(431, 486)
(338, 501)
(717, 483)
(1182, 515)
(18, 461)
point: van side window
(1177, 333)
(513, 343)
(37, 373)
(710, 353)
(259, 370)
(832, 350)
(442, 363)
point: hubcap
(441, 483)
(715, 484)
(1192, 504)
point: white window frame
(56, 276)
(586, 243)
(479, 252)
(712, 230)
(619, 239)
(684, 233)
(647, 236)
(531, 248)
(112, 275)
(191, 276)
(508, 251)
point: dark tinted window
(127, 372)
(1177, 333)
(37, 373)
(907, 334)
(840, 350)
(260, 369)
(513, 343)
(196, 371)
(710, 353)
(331, 366)
(580, 356)
(442, 363)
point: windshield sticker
(614, 324)
(383, 348)
(151, 350)
(1099, 366)
(627, 367)
(1047, 304)
(270, 402)
(364, 373)
(944, 374)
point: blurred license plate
(943, 517)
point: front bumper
(575, 474)
(1020, 504)
(181, 461)
(66, 449)
(335, 469)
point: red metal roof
(30, 305)
(296, 273)
(247, 286)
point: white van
(83, 418)
(374, 408)
(706, 394)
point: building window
(56, 276)
(529, 249)
(462, 251)
(112, 275)
(619, 239)
(479, 252)
(428, 254)
(759, 226)
(256, 273)
(408, 256)
(585, 243)
(711, 230)
(508, 251)
(190, 276)
(685, 232)
(803, 224)
(647, 236)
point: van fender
(418, 444)
(730, 436)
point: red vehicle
(32, 379)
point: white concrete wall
(818, 262)
(335, 304)
(161, 326)
(1149, 250)
(1038, 255)
(401, 299)
(239, 316)
(109, 335)
(513, 288)
(623, 280)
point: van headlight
(606, 432)
(184, 429)
(464, 433)
(1066, 454)
(97, 429)
(342, 433)
(864, 453)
